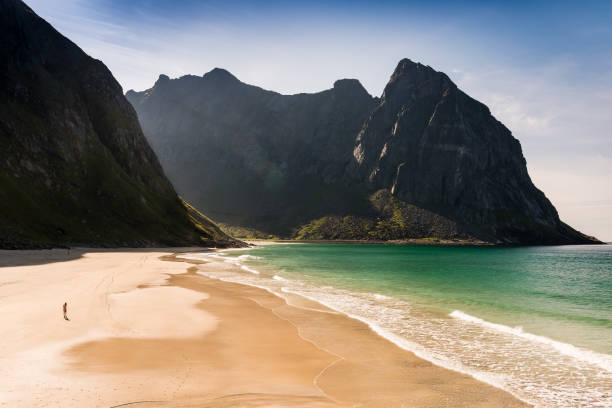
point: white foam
(214, 276)
(420, 351)
(251, 270)
(602, 360)
(218, 256)
(535, 369)
(202, 256)
(224, 258)
(247, 257)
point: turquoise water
(561, 292)
(536, 321)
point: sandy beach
(147, 330)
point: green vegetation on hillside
(246, 233)
(393, 219)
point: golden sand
(151, 332)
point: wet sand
(151, 332)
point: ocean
(535, 321)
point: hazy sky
(544, 68)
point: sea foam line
(251, 270)
(247, 256)
(495, 380)
(601, 360)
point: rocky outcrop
(75, 168)
(424, 161)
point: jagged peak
(407, 67)
(162, 79)
(220, 74)
(351, 85)
(409, 73)
(407, 62)
(347, 82)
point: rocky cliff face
(252, 157)
(436, 148)
(75, 167)
(425, 160)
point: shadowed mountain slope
(424, 161)
(75, 168)
(252, 157)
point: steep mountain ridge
(423, 161)
(433, 146)
(253, 157)
(75, 168)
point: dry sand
(147, 332)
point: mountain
(252, 157)
(75, 168)
(434, 147)
(423, 161)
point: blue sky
(543, 67)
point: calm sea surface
(536, 321)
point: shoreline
(317, 307)
(407, 242)
(148, 331)
(391, 338)
(412, 242)
(540, 363)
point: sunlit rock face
(433, 146)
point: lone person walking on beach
(65, 308)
